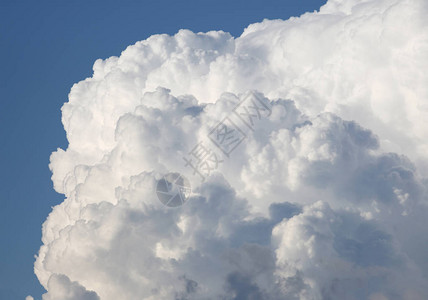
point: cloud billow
(323, 199)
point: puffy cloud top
(325, 197)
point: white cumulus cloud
(325, 198)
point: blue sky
(46, 46)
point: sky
(46, 47)
(210, 150)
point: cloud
(60, 287)
(323, 198)
(340, 255)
